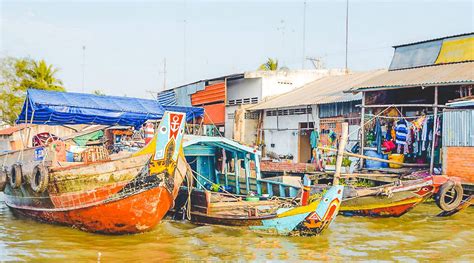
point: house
(222, 96)
(288, 119)
(15, 137)
(426, 83)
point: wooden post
(258, 176)
(247, 173)
(340, 152)
(362, 129)
(237, 173)
(435, 127)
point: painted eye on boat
(163, 129)
(425, 189)
(326, 199)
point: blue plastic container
(371, 163)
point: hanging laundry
(314, 138)
(401, 131)
(378, 135)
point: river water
(416, 236)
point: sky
(126, 42)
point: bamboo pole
(362, 130)
(375, 159)
(340, 152)
(435, 109)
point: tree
(98, 93)
(19, 74)
(270, 65)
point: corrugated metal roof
(329, 89)
(447, 74)
(12, 129)
(434, 39)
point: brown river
(416, 236)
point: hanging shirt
(401, 132)
(314, 138)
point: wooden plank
(376, 159)
(340, 152)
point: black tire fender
(15, 175)
(39, 178)
(3, 178)
(440, 197)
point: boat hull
(133, 214)
(393, 200)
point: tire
(39, 178)
(3, 178)
(15, 176)
(449, 196)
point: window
(243, 101)
(286, 112)
(231, 116)
(251, 115)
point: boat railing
(258, 186)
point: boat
(228, 190)
(396, 199)
(121, 194)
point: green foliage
(346, 162)
(19, 74)
(98, 93)
(270, 65)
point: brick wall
(460, 162)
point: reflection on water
(419, 235)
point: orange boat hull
(133, 214)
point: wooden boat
(130, 194)
(272, 216)
(391, 200)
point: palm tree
(270, 65)
(40, 75)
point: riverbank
(418, 235)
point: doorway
(304, 146)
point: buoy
(149, 132)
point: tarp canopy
(61, 108)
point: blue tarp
(61, 108)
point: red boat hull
(133, 214)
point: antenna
(83, 66)
(317, 62)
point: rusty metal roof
(439, 75)
(329, 89)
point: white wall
(281, 81)
(286, 141)
(229, 122)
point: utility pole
(83, 66)
(304, 34)
(184, 50)
(282, 28)
(164, 74)
(347, 32)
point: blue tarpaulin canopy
(61, 108)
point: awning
(439, 75)
(62, 108)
